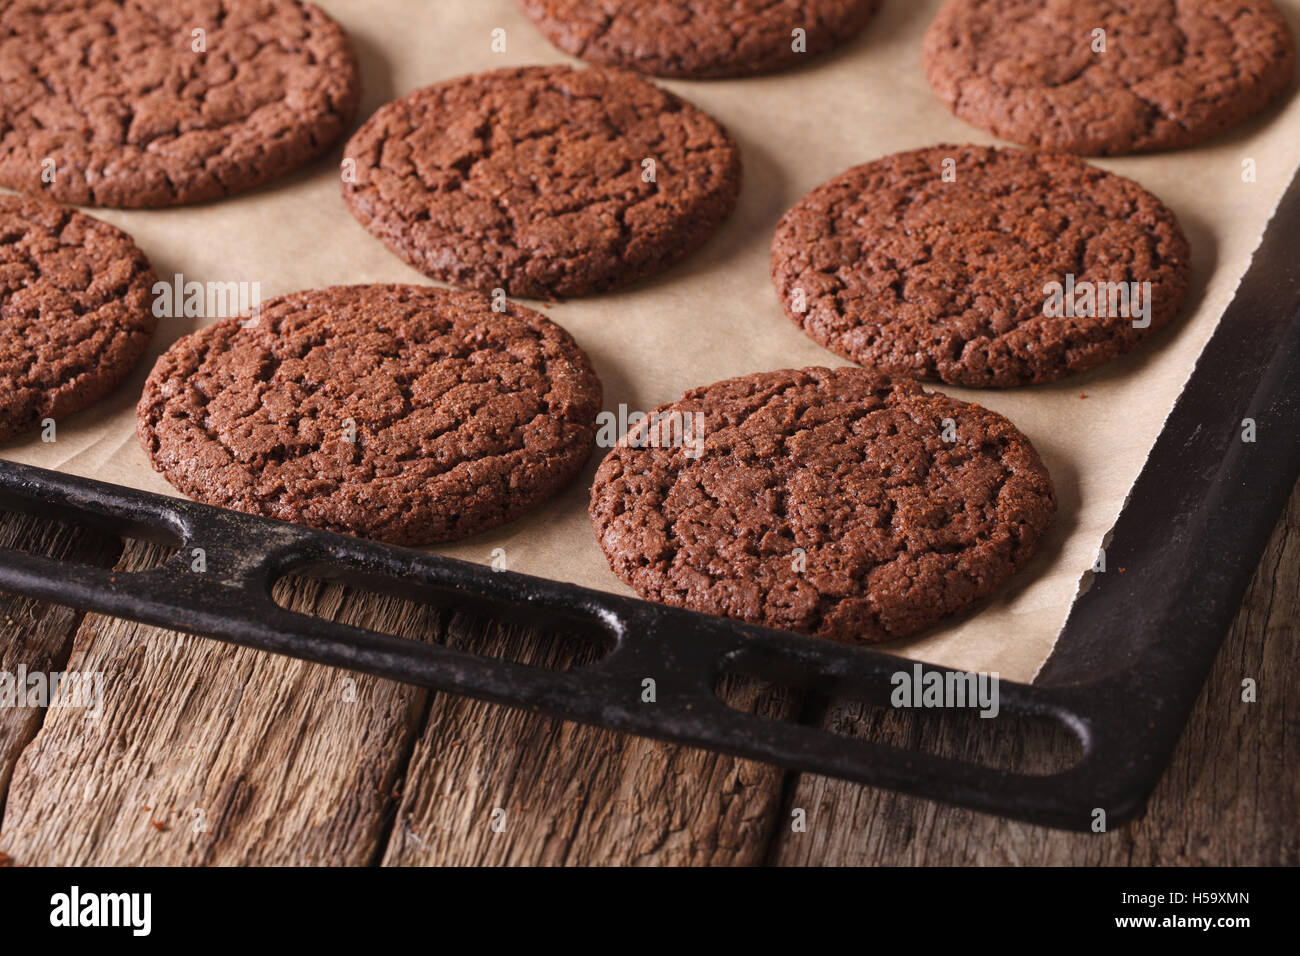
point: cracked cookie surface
(111, 99)
(1172, 73)
(76, 298)
(904, 272)
(698, 39)
(401, 413)
(826, 501)
(542, 181)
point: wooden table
(211, 754)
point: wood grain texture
(37, 637)
(1230, 796)
(209, 753)
(284, 769)
(563, 793)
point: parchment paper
(716, 314)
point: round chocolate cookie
(827, 501)
(542, 181)
(124, 103)
(979, 266)
(401, 413)
(1103, 77)
(76, 299)
(699, 39)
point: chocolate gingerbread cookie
(1105, 77)
(979, 266)
(699, 39)
(542, 181)
(827, 501)
(123, 103)
(401, 413)
(76, 313)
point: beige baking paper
(716, 314)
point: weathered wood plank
(285, 770)
(260, 755)
(37, 637)
(1230, 797)
(208, 753)
(562, 793)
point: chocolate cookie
(122, 103)
(76, 299)
(699, 39)
(979, 266)
(826, 501)
(402, 413)
(542, 181)
(1101, 77)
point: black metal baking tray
(1125, 672)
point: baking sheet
(716, 315)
